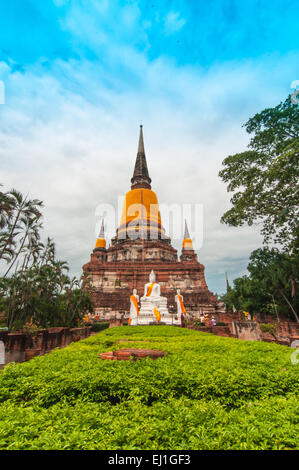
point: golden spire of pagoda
(140, 216)
(141, 177)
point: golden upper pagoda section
(141, 218)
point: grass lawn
(208, 392)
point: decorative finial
(102, 232)
(187, 242)
(186, 235)
(141, 177)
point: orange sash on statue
(181, 302)
(157, 314)
(134, 300)
(129, 322)
(149, 289)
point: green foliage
(37, 287)
(46, 295)
(264, 178)
(207, 392)
(198, 324)
(268, 327)
(247, 294)
(31, 329)
(269, 287)
(99, 326)
(20, 224)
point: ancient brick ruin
(141, 245)
(131, 354)
(20, 347)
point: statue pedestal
(146, 315)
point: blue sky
(188, 32)
(81, 75)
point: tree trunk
(291, 307)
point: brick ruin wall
(17, 344)
(113, 284)
(286, 332)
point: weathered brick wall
(227, 317)
(216, 330)
(288, 329)
(113, 283)
(285, 334)
(17, 344)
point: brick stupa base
(139, 246)
(131, 353)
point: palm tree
(31, 227)
(35, 284)
(15, 214)
(6, 209)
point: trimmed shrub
(99, 326)
(207, 392)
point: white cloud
(69, 137)
(173, 22)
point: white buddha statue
(179, 300)
(152, 290)
(134, 308)
(153, 306)
(181, 310)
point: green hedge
(199, 324)
(268, 327)
(99, 326)
(208, 392)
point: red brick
(127, 354)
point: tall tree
(264, 179)
(19, 222)
(268, 288)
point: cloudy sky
(80, 76)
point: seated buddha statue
(153, 306)
(152, 290)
